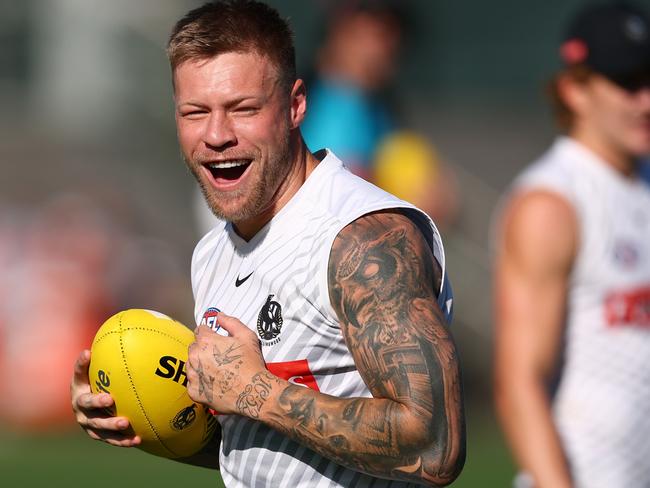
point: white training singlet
(602, 402)
(277, 285)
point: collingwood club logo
(269, 322)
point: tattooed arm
(381, 279)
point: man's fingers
(230, 324)
(115, 438)
(91, 401)
(204, 335)
(80, 376)
(108, 424)
(203, 331)
(112, 430)
(192, 355)
(124, 442)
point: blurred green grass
(70, 459)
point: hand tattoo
(205, 382)
(252, 399)
(227, 380)
(226, 357)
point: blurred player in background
(351, 114)
(347, 110)
(339, 368)
(573, 271)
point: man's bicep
(377, 252)
(382, 279)
(532, 272)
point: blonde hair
(234, 26)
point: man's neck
(619, 160)
(302, 162)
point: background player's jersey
(277, 284)
(602, 402)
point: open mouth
(228, 172)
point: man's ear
(573, 93)
(298, 103)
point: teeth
(228, 164)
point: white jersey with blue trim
(276, 284)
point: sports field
(71, 460)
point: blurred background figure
(572, 296)
(353, 112)
(348, 111)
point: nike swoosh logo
(239, 282)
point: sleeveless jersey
(276, 284)
(602, 402)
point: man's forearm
(526, 416)
(379, 437)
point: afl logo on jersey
(626, 254)
(210, 318)
(269, 322)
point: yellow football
(139, 356)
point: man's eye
(247, 110)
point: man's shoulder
(553, 166)
(348, 196)
(540, 226)
(556, 173)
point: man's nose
(219, 132)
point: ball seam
(135, 392)
(148, 329)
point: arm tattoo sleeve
(382, 278)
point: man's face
(619, 117)
(367, 47)
(234, 120)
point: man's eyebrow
(191, 103)
(241, 99)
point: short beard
(259, 196)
